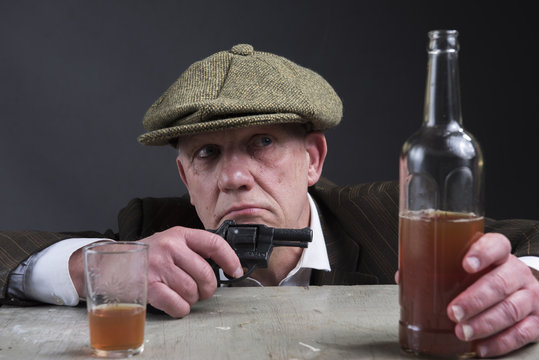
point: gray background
(77, 77)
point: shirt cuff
(531, 261)
(47, 277)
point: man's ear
(316, 146)
(181, 171)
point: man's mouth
(242, 211)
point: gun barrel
(292, 237)
(290, 243)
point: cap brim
(166, 135)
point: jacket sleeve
(523, 234)
(139, 219)
(17, 246)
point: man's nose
(235, 172)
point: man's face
(252, 175)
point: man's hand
(501, 309)
(179, 275)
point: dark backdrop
(77, 77)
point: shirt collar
(315, 256)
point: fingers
(179, 275)
(163, 298)
(515, 337)
(190, 258)
(214, 247)
(490, 249)
(500, 316)
(169, 287)
(185, 285)
(500, 310)
(191, 275)
(492, 288)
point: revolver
(253, 243)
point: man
(248, 127)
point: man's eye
(264, 141)
(207, 151)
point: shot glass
(116, 276)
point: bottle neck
(442, 95)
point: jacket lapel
(360, 224)
(343, 254)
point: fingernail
(468, 332)
(238, 273)
(481, 350)
(457, 312)
(473, 263)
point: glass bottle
(440, 209)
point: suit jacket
(360, 225)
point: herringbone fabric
(238, 88)
(17, 246)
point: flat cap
(240, 88)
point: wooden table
(328, 322)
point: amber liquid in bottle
(441, 215)
(432, 246)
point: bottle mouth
(443, 41)
(436, 34)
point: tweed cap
(240, 88)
